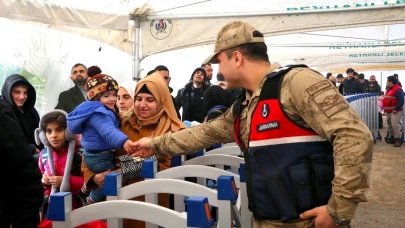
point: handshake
(141, 148)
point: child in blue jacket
(98, 121)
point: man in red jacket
(393, 105)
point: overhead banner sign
(193, 32)
(331, 6)
(369, 55)
(334, 62)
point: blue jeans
(98, 162)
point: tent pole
(136, 32)
(381, 79)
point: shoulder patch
(318, 87)
(330, 102)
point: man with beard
(208, 69)
(71, 98)
(374, 86)
(352, 85)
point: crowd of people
(391, 101)
(278, 116)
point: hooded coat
(21, 199)
(28, 117)
(191, 99)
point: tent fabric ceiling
(107, 22)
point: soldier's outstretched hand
(143, 148)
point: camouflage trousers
(394, 124)
(298, 223)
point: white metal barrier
(223, 199)
(366, 106)
(149, 171)
(226, 149)
(62, 216)
(220, 160)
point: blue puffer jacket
(98, 125)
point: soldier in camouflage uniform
(306, 114)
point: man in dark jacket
(164, 71)
(340, 79)
(20, 202)
(351, 85)
(21, 96)
(190, 98)
(364, 82)
(71, 98)
(374, 86)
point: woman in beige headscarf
(152, 114)
(125, 96)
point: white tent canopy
(188, 24)
(46, 37)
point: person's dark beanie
(361, 76)
(196, 70)
(339, 76)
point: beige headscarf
(129, 86)
(166, 117)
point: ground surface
(386, 206)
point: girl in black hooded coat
(27, 115)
